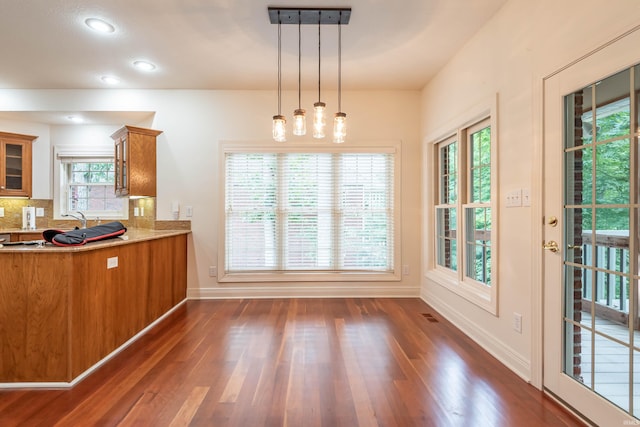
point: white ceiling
(229, 44)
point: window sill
(475, 294)
(309, 277)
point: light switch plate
(1, 212)
(39, 211)
(514, 199)
(526, 197)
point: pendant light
(340, 120)
(299, 16)
(279, 122)
(319, 119)
(299, 119)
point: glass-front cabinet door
(15, 164)
(120, 187)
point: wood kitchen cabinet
(15, 164)
(135, 161)
(63, 310)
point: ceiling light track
(310, 15)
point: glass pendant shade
(319, 119)
(299, 122)
(339, 128)
(279, 129)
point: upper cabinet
(135, 161)
(15, 164)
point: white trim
(497, 348)
(485, 297)
(468, 118)
(72, 151)
(345, 291)
(537, 235)
(64, 153)
(320, 276)
(98, 364)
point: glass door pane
(13, 171)
(600, 215)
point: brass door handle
(552, 246)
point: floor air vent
(430, 317)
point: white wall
(194, 122)
(526, 41)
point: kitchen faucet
(81, 218)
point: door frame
(540, 86)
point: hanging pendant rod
(309, 15)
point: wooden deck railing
(609, 252)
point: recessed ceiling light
(75, 119)
(110, 80)
(144, 65)
(99, 25)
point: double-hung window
(307, 214)
(85, 183)
(464, 213)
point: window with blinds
(309, 212)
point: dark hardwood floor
(294, 362)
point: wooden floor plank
(295, 362)
(189, 407)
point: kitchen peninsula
(64, 309)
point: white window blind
(309, 212)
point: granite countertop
(132, 235)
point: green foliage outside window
(612, 173)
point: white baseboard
(235, 292)
(498, 349)
(76, 380)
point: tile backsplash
(146, 209)
(13, 212)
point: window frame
(64, 154)
(441, 204)
(457, 281)
(386, 147)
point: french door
(591, 234)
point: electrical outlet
(112, 262)
(1, 212)
(405, 270)
(213, 271)
(188, 211)
(136, 211)
(517, 322)
(40, 212)
(141, 210)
